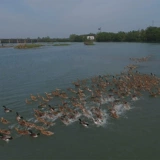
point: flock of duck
(91, 102)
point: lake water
(134, 136)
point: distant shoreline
(6, 46)
(150, 34)
(39, 44)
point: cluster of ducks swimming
(143, 59)
(90, 102)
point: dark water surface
(135, 135)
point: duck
(126, 105)
(22, 122)
(5, 131)
(6, 138)
(51, 108)
(39, 113)
(7, 109)
(134, 98)
(39, 128)
(49, 97)
(97, 121)
(76, 84)
(48, 94)
(34, 135)
(47, 133)
(33, 98)
(85, 124)
(4, 121)
(28, 102)
(42, 105)
(113, 113)
(152, 94)
(18, 117)
(39, 119)
(22, 132)
(64, 119)
(45, 99)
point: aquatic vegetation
(27, 46)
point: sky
(61, 18)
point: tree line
(150, 34)
(34, 40)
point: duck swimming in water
(51, 108)
(4, 121)
(18, 117)
(5, 131)
(22, 132)
(97, 121)
(47, 133)
(34, 135)
(6, 138)
(85, 124)
(7, 109)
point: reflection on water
(36, 71)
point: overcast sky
(60, 18)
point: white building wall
(90, 37)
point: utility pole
(152, 23)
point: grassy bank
(27, 46)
